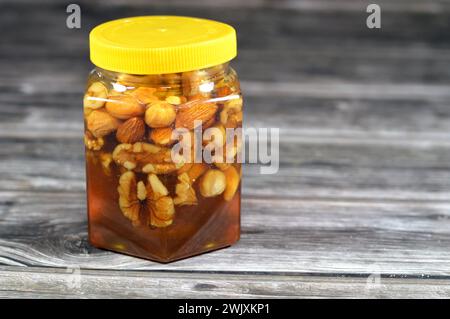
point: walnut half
(93, 143)
(161, 206)
(185, 192)
(149, 201)
(128, 199)
(144, 157)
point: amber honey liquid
(213, 223)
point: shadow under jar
(160, 84)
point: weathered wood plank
(307, 181)
(419, 119)
(363, 188)
(291, 236)
(437, 6)
(298, 59)
(341, 147)
(315, 62)
(287, 28)
(313, 165)
(50, 283)
(308, 169)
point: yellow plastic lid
(161, 44)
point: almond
(209, 123)
(196, 170)
(124, 107)
(224, 91)
(145, 95)
(185, 168)
(222, 166)
(131, 131)
(162, 136)
(100, 123)
(195, 111)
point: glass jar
(159, 84)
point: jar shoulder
(212, 82)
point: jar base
(159, 259)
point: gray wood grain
(342, 111)
(363, 187)
(291, 236)
(56, 283)
(323, 171)
(305, 5)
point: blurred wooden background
(364, 183)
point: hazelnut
(212, 183)
(95, 96)
(100, 123)
(174, 100)
(160, 114)
(232, 177)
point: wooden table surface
(359, 208)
